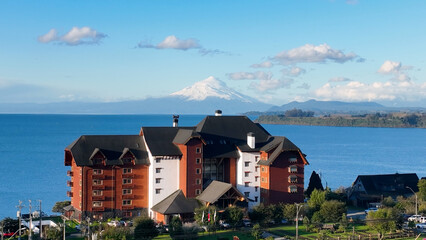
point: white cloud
(377, 91)
(266, 64)
(304, 86)
(339, 79)
(294, 71)
(172, 42)
(390, 67)
(267, 85)
(311, 53)
(259, 75)
(76, 36)
(52, 35)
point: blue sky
(275, 51)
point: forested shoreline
(389, 120)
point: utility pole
(63, 218)
(31, 220)
(20, 206)
(2, 230)
(40, 226)
(416, 197)
(298, 207)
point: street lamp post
(414, 195)
(298, 207)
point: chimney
(251, 140)
(175, 120)
(218, 113)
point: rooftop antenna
(18, 214)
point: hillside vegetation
(391, 120)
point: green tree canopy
(59, 206)
(145, 228)
(332, 210)
(383, 221)
(316, 200)
(422, 189)
(234, 216)
(175, 227)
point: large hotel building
(126, 175)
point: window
(81, 183)
(246, 184)
(198, 160)
(158, 191)
(158, 170)
(198, 170)
(198, 181)
(292, 169)
(197, 191)
(292, 179)
(97, 171)
(97, 204)
(198, 150)
(127, 180)
(246, 174)
(97, 182)
(256, 189)
(256, 178)
(127, 191)
(292, 159)
(263, 179)
(97, 193)
(256, 169)
(127, 170)
(157, 160)
(157, 180)
(246, 164)
(247, 194)
(292, 189)
(256, 199)
(263, 169)
(127, 202)
(256, 158)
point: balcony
(70, 173)
(98, 209)
(98, 187)
(98, 198)
(128, 175)
(69, 194)
(98, 176)
(128, 196)
(128, 207)
(129, 185)
(70, 183)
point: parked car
(372, 209)
(224, 224)
(114, 223)
(415, 218)
(247, 223)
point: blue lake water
(32, 151)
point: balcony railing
(128, 196)
(69, 194)
(129, 185)
(98, 176)
(70, 173)
(98, 187)
(127, 207)
(97, 198)
(98, 209)
(70, 183)
(128, 175)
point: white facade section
(248, 177)
(251, 140)
(163, 178)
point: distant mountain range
(204, 97)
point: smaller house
(173, 205)
(373, 188)
(222, 195)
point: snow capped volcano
(211, 87)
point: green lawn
(229, 234)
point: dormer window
(292, 159)
(292, 169)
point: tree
(289, 212)
(343, 223)
(54, 233)
(10, 225)
(204, 211)
(175, 227)
(59, 206)
(256, 231)
(145, 228)
(314, 183)
(275, 212)
(388, 202)
(382, 221)
(316, 200)
(113, 233)
(258, 214)
(422, 189)
(332, 210)
(234, 216)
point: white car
(372, 209)
(415, 218)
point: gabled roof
(112, 147)
(389, 184)
(235, 128)
(279, 145)
(160, 140)
(184, 135)
(176, 203)
(215, 190)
